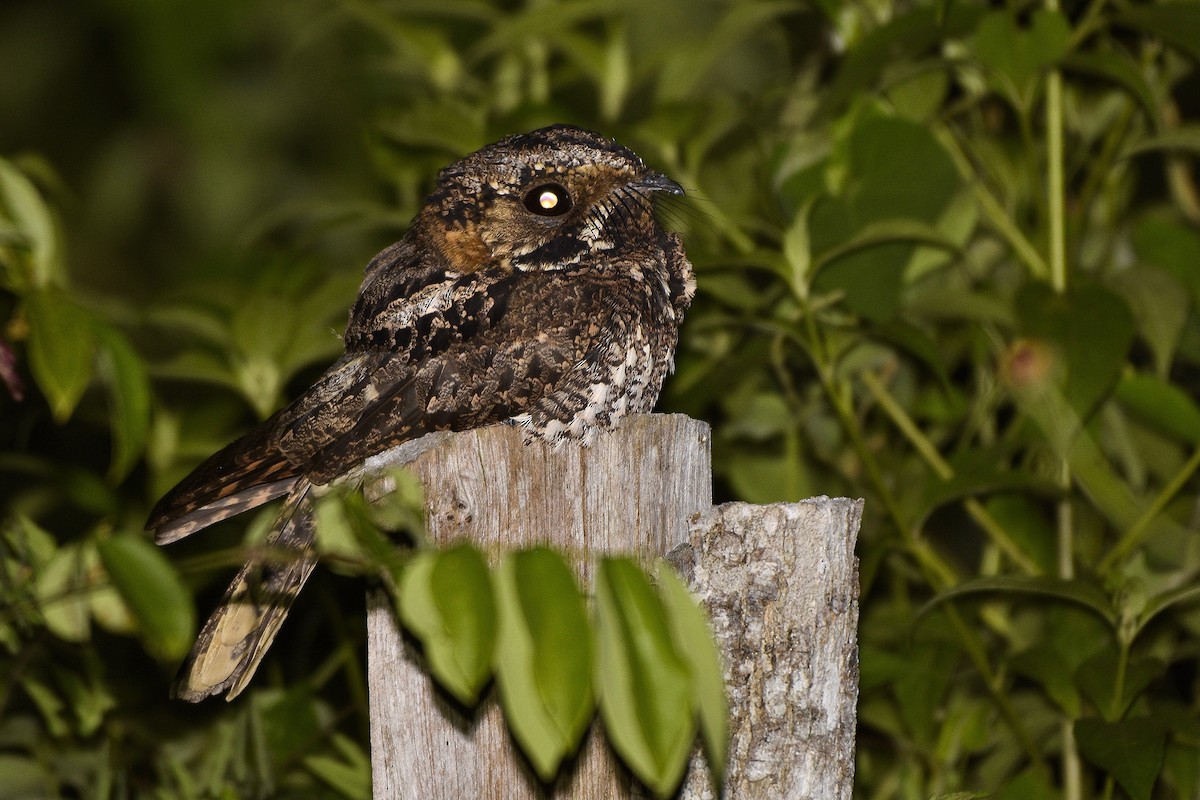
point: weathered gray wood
(633, 489)
(780, 583)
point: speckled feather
(486, 311)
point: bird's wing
(444, 351)
(521, 347)
(254, 470)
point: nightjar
(534, 288)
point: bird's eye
(548, 200)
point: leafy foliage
(947, 261)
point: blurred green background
(948, 258)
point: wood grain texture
(780, 583)
(633, 489)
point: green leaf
(1032, 784)
(31, 543)
(1161, 405)
(1163, 241)
(903, 38)
(61, 349)
(1131, 751)
(290, 721)
(152, 589)
(1176, 23)
(694, 641)
(886, 231)
(350, 774)
(1044, 665)
(399, 503)
(556, 618)
(1026, 522)
(1160, 306)
(62, 593)
(543, 657)
(1017, 56)
(1185, 138)
(976, 472)
(765, 477)
(644, 686)
(22, 203)
(1113, 65)
(446, 600)
(49, 705)
(797, 267)
(1093, 329)
(1160, 603)
(1099, 676)
(337, 536)
(124, 373)
(882, 165)
(23, 776)
(1073, 591)
(88, 697)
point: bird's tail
(238, 633)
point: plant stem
(1137, 531)
(1056, 211)
(992, 209)
(942, 468)
(1066, 551)
(1056, 192)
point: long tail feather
(245, 474)
(222, 508)
(238, 633)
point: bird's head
(543, 200)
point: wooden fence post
(784, 608)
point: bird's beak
(657, 182)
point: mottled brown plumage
(534, 288)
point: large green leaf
(645, 689)
(694, 641)
(62, 593)
(34, 223)
(1131, 751)
(1075, 591)
(543, 657)
(886, 231)
(1186, 139)
(1093, 330)
(152, 589)
(1160, 603)
(61, 348)
(911, 33)
(1045, 665)
(1017, 55)
(1170, 244)
(896, 181)
(124, 373)
(1115, 66)
(446, 599)
(1160, 306)
(1161, 405)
